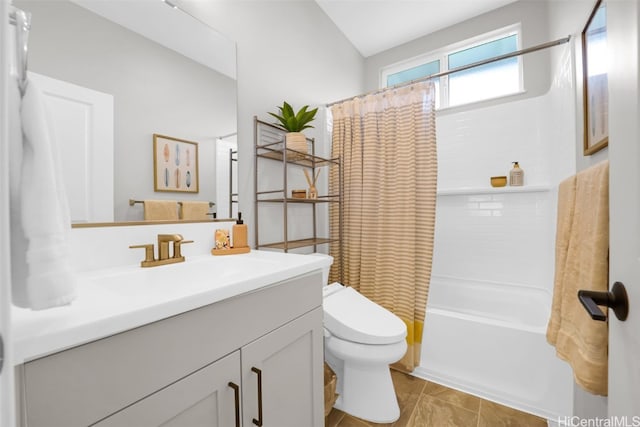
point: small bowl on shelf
(498, 181)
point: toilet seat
(353, 317)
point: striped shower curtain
(387, 143)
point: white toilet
(361, 339)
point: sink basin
(195, 275)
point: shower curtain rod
(463, 68)
(228, 135)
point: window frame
(442, 55)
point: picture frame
(175, 165)
(594, 78)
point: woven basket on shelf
(296, 141)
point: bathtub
(488, 339)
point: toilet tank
(326, 266)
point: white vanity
(217, 341)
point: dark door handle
(616, 299)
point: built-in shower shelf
(462, 191)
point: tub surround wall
(502, 237)
(503, 234)
(499, 244)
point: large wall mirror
(144, 68)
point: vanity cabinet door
(282, 375)
(204, 398)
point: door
(624, 155)
(282, 376)
(82, 122)
(204, 398)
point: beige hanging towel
(155, 210)
(582, 262)
(194, 210)
(566, 206)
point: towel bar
(616, 299)
(211, 204)
(133, 202)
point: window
(475, 84)
(417, 72)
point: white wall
(156, 90)
(287, 50)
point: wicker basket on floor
(330, 395)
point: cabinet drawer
(82, 385)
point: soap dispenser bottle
(516, 176)
(240, 233)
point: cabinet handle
(236, 393)
(258, 422)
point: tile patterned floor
(426, 404)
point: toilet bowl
(361, 339)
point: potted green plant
(294, 123)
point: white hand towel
(41, 273)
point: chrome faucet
(163, 250)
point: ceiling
(172, 28)
(373, 26)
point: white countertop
(114, 300)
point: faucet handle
(177, 246)
(148, 251)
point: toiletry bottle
(240, 233)
(516, 176)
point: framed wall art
(594, 75)
(175, 164)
